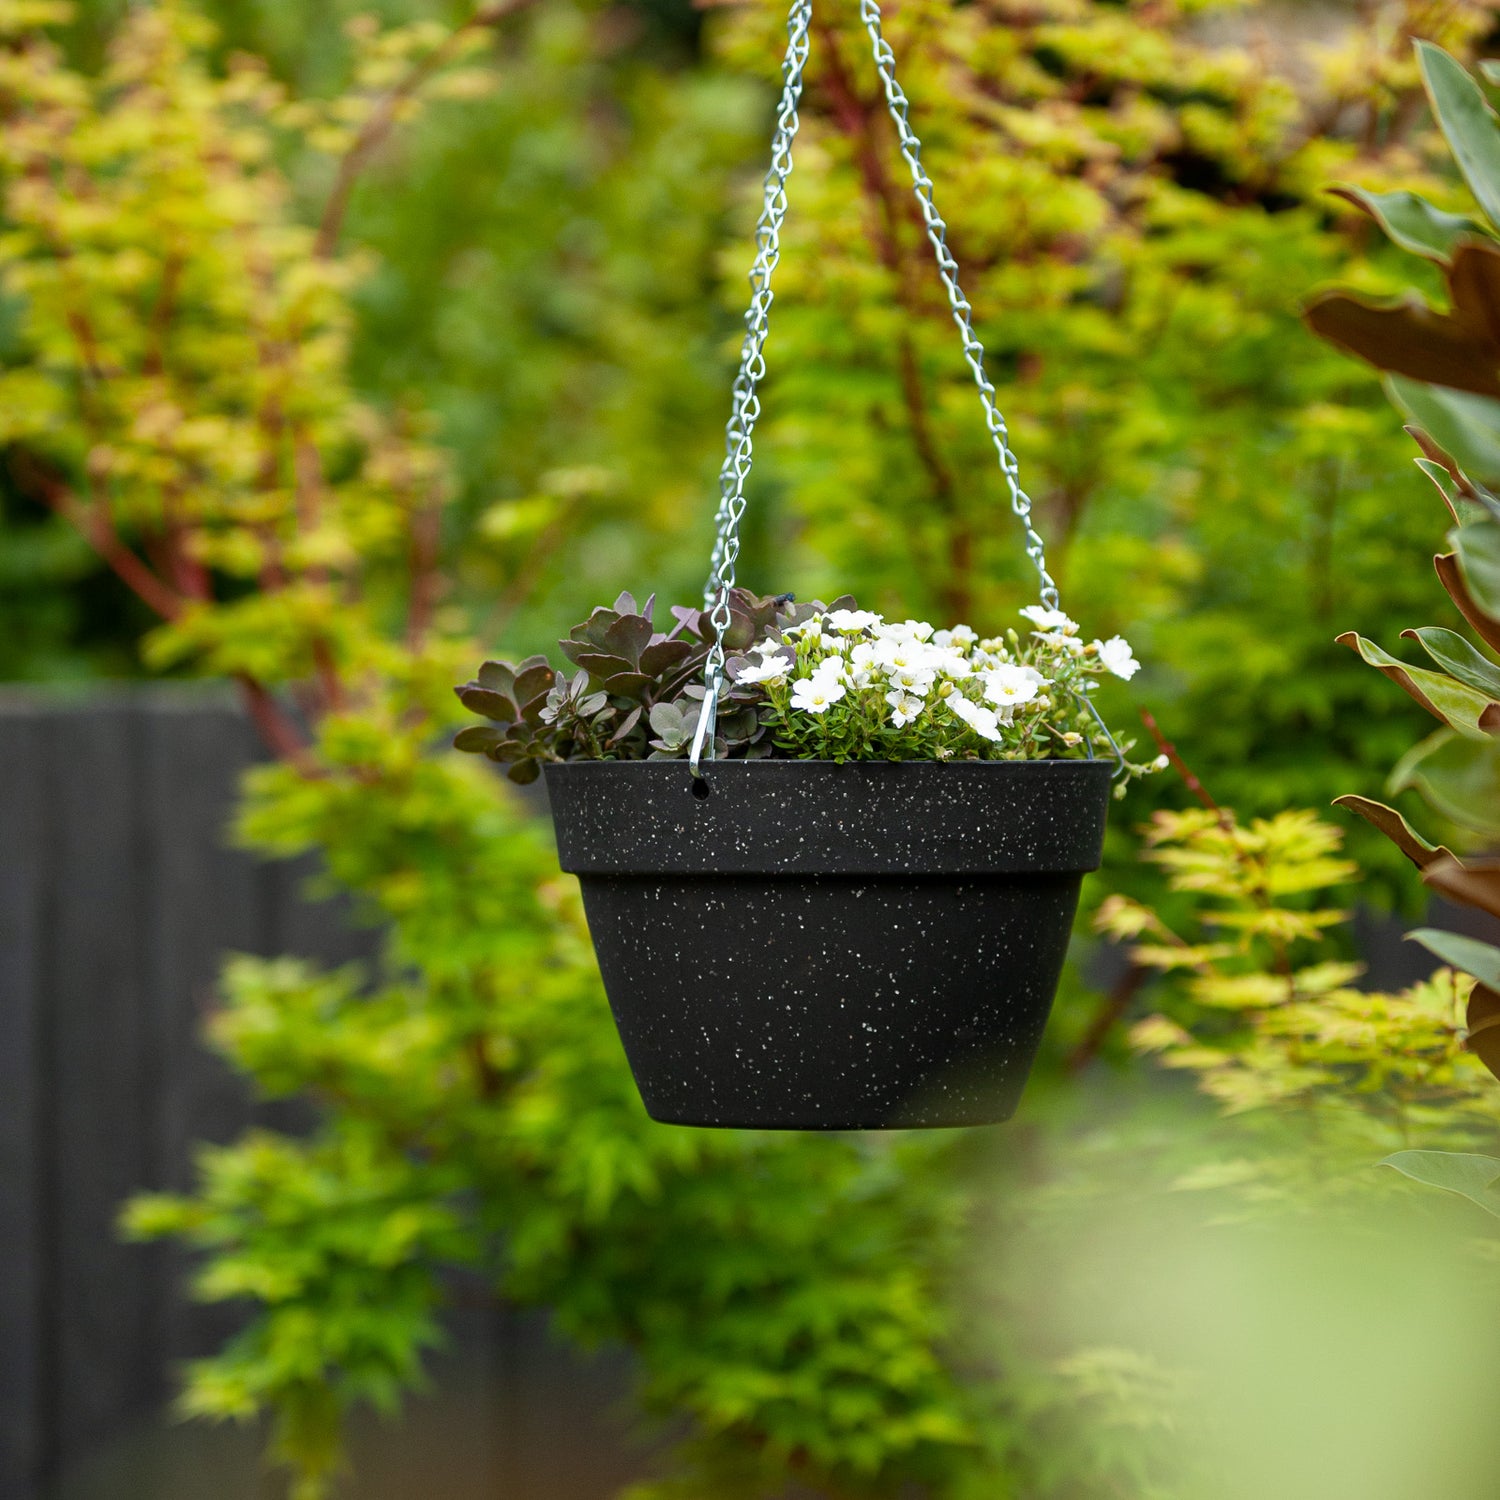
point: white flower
(1160, 763)
(916, 680)
(811, 630)
(962, 637)
(771, 669)
(1069, 643)
(830, 667)
(951, 663)
(850, 621)
(1010, 686)
(981, 720)
(897, 655)
(905, 630)
(816, 694)
(864, 654)
(1116, 655)
(765, 647)
(1049, 619)
(904, 707)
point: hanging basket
(801, 945)
(812, 946)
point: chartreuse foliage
(1262, 1011)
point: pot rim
(786, 818)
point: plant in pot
(1443, 371)
(849, 907)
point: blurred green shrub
(224, 404)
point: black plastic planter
(820, 947)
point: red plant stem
(1182, 768)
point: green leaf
(1471, 1177)
(1465, 426)
(1459, 778)
(1458, 658)
(1411, 222)
(1464, 510)
(1457, 705)
(1468, 122)
(1482, 960)
(1478, 550)
(1407, 338)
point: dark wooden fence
(119, 896)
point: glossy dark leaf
(1407, 338)
(477, 739)
(534, 682)
(492, 705)
(1411, 222)
(525, 771)
(663, 656)
(498, 676)
(627, 724)
(628, 637)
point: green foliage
(1444, 378)
(188, 381)
(1265, 1015)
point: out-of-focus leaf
(1458, 777)
(1472, 1177)
(1478, 550)
(477, 738)
(1395, 828)
(1474, 287)
(1459, 951)
(1464, 425)
(1458, 658)
(1468, 122)
(1452, 579)
(1457, 705)
(1410, 221)
(1482, 1018)
(1407, 338)
(491, 705)
(1474, 882)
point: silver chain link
(739, 435)
(963, 313)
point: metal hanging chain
(963, 313)
(739, 435)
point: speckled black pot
(820, 947)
